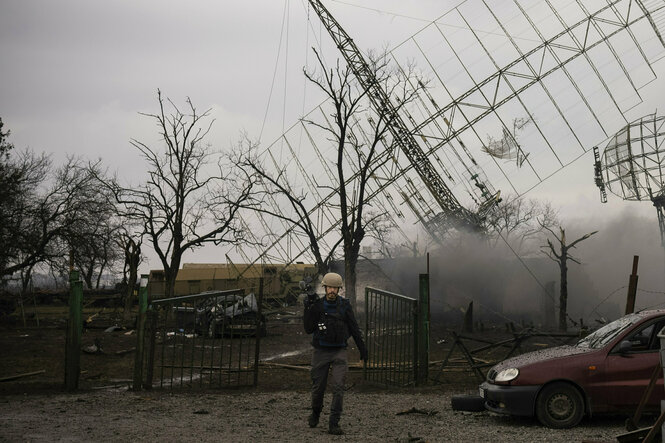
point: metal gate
(392, 341)
(205, 340)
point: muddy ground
(35, 407)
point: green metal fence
(206, 340)
(392, 340)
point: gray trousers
(335, 361)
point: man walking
(331, 321)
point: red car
(606, 371)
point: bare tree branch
(189, 199)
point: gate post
(423, 329)
(140, 333)
(257, 348)
(74, 326)
(152, 339)
(366, 329)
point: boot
(334, 429)
(313, 419)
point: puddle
(286, 354)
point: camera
(306, 285)
(308, 291)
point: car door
(629, 371)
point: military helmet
(332, 279)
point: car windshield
(604, 335)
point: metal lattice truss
(633, 162)
(516, 91)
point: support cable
(274, 75)
(286, 66)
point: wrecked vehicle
(606, 371)
(230, 316)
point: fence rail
(390, 325)
(206, 340)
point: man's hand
(310, 299)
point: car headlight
(507, 375)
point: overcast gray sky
(76, 73)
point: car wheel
(559, 405)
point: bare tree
(90, 240)
(49, 207)
(283, 194)
(188, 200)
(25, 217)
(357, 149)
(520, 222)
(561, 258)
(381, 232)
(94, 250)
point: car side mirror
(624, 347)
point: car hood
(540, 356)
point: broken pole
(74, 330)
(632, 287)
(140, 333)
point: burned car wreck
(230, 316)
(606, 371)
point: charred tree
(561, 255)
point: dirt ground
(35, 408)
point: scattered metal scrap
(414, 410)
(476, 363)
(95, 348)
(646, 434)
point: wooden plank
(26, 374)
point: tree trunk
(25, 279)
(87, 276)
(101, 271)
(132, 260)
(350, 279)
(131, 286)
(129, 298)
(169, 284)
(563, 297)
(171, 273)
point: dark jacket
(314, 314)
